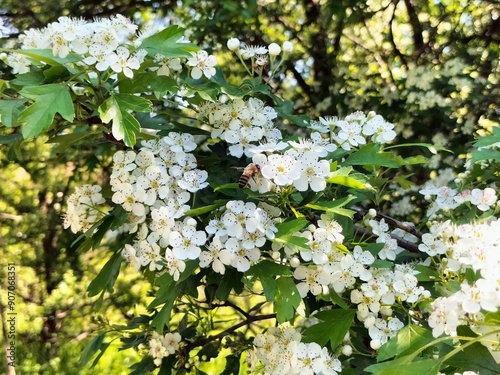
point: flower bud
(347, 350)
(274, 49)
(294, 262)
(233, 44)
(287, 46)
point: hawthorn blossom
(282, 169)
(382, 330)
(312, 280)
(217, 256)
(203, 64)
(313, 172)
(483, 199)
(186, 242)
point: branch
(392, 222)
(405, 244)
(249, 320)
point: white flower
(124, 62)
(216, 255)
(315, 280)
(382, 330)
(313, 172)
(483, 199)
(186, 243)
(194, 180)
(431, 245)
(203, 64)
(350, 134)
(241, 257)
(282, 169)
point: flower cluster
(100, 43)
(356, 129)
(467, 247)
(240, 122)
(103, 44)
(325, 266)
(446, 198)
(281, 351)
(84, 208)
(260, 56)
(238, 235)
(163, 346)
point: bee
(249, 172)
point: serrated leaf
(334, 206)
(48, 100)
(287, 299)
(333, 327)
(407, 340)
(166, 43)
(10, 110)
(117, 109)
(106, 277)
(266, 271)
(231, 280)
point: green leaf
(10, 110)
(287, 299)
(296, 243)
(231, 280)
(48, 100)
(117, 109)
(29, 79)
(266, 271)
(46, 56)
(202, 210)
(162, 318)
(66, 140)
(91, 348)
(341, 177)
(10, 139)
(475, 357)
(371, 155)
(401, 366)
(107, 277)
(425, 273)
(489, 140)
(492, 318)
(166, 43)
(285, 111)
(432, 148)
(333, 327)
(407, 340)
(290, 227)
(485, 154)
(334, 206)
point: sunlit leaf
(48, 100)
